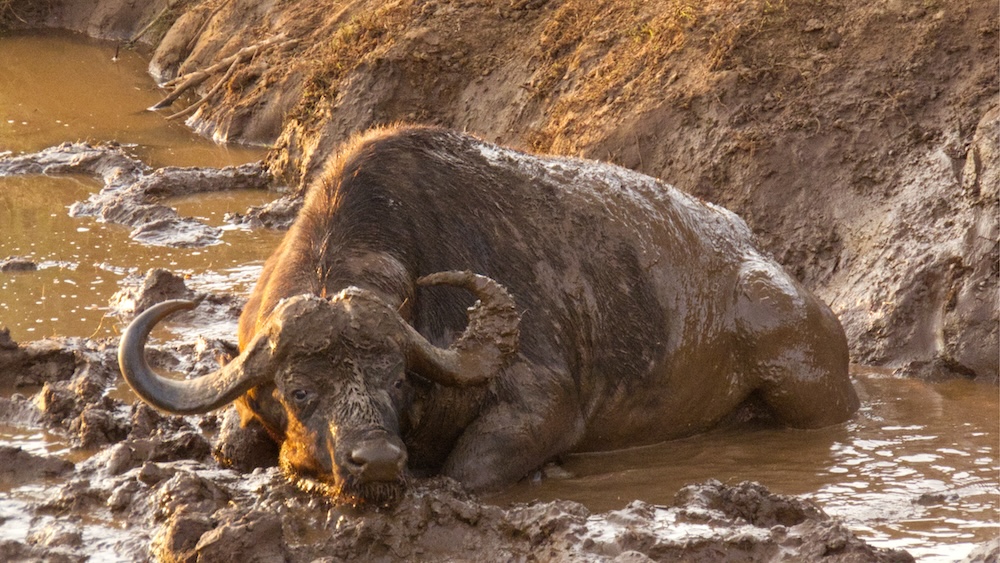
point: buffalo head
(339, 370)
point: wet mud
(17, 264)
(171, 482)
(156, 476)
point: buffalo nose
(378, 460)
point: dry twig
(218, 85)
(190, 80)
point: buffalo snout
(377, 459)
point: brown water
(916, 469)
(56, 88)
(65, 87)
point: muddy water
(82, 262)
(916, 469)
(57, 88)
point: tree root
(170, 5)
(191, 80)
(218, 86)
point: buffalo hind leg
(512, 438)
(795, 349)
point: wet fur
(638, 325)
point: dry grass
(360, 39)
(609, 54)
(606, 58)
(7, 14)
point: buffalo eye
(399, 383)
(300, 395)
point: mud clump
(220, 311)
(986, 552)
(640, 531)
(133, 193)
(243, 448)
(18, 466)
(158, 285)
(17, 264)
(750, 502)
(278, 214)
(37, 362)
(437, 520)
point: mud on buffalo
(443, 305)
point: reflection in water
(33, 440)
(58, 88)
(916, 468)
(921, 467)
(82, 261)
(65, 87)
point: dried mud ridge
(153, 490)
(133, 192)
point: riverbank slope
(858, 139)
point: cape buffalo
(613, 310)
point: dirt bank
(857, 138)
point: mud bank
(103, 19)
(155, 476)
(856, 138)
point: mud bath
(908, 486)
(915, 469)
(902, 474)
(155, 473)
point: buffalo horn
(486, 346)
(193, 396)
